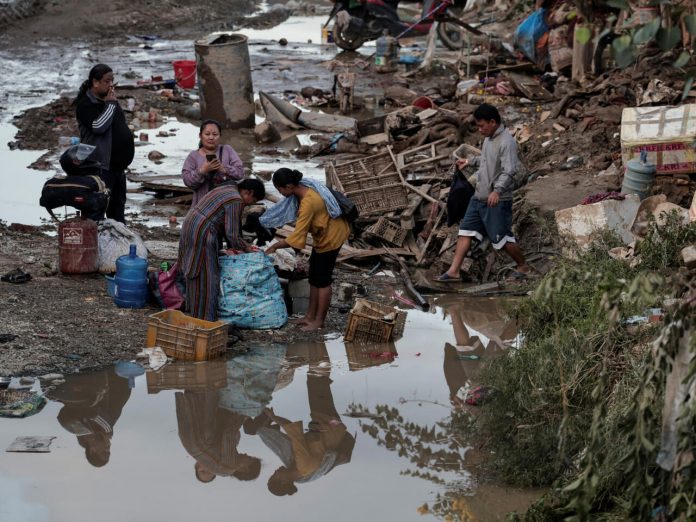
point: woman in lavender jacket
(212, 163)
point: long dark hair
(253, 185)
(204, 125)
(95, 73)
(284, 177)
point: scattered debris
(16, 403)
(31, 445)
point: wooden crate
(186, 338)
(421, 160)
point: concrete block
(300, 305)
(688, 255)
(579, 223)
(298, 288)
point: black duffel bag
(86, 193)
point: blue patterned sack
(250, 293)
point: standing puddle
(277, 432)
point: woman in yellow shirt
(328, 235)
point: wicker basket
(186, 338)
(367, 355)
(202, 376)
(373, 322)
(388, 231)
(372, 183)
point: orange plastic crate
(186, 338)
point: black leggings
(321, 267)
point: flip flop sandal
(16, 276)
(446, 278)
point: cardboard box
(667, 134)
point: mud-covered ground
(59, 323)
(28, 21)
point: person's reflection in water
(463, 362)
(311, 454)
(92, 403)
(210, 434)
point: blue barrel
(639, 176)
(131, 281)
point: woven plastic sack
(115, 240)
(250, 293)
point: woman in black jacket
(102, 123)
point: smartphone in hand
(210, 157)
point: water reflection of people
(462, 362)
(92, 403)
(211, 434)
(210, 420)
(307, 454)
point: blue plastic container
(131, 281)
(110, 285)
(639, 176)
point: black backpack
(348, 208)
(86, 193)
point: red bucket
(423, 102)
(185, 73)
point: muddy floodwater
(280, 432)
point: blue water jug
(131, 281)
(639, 176)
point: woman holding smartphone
(212, 163)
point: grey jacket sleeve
(508, 163)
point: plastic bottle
(131, 280)
(387, 52)
(67, 141)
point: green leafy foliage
(664, 242)
(623, 50)
(647, 32)
(682, 59)
(690, 22)
(583, 35)
(579, 403)
(668, 37)
(619, 4)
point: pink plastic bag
(170, 288)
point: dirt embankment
(25, 21)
